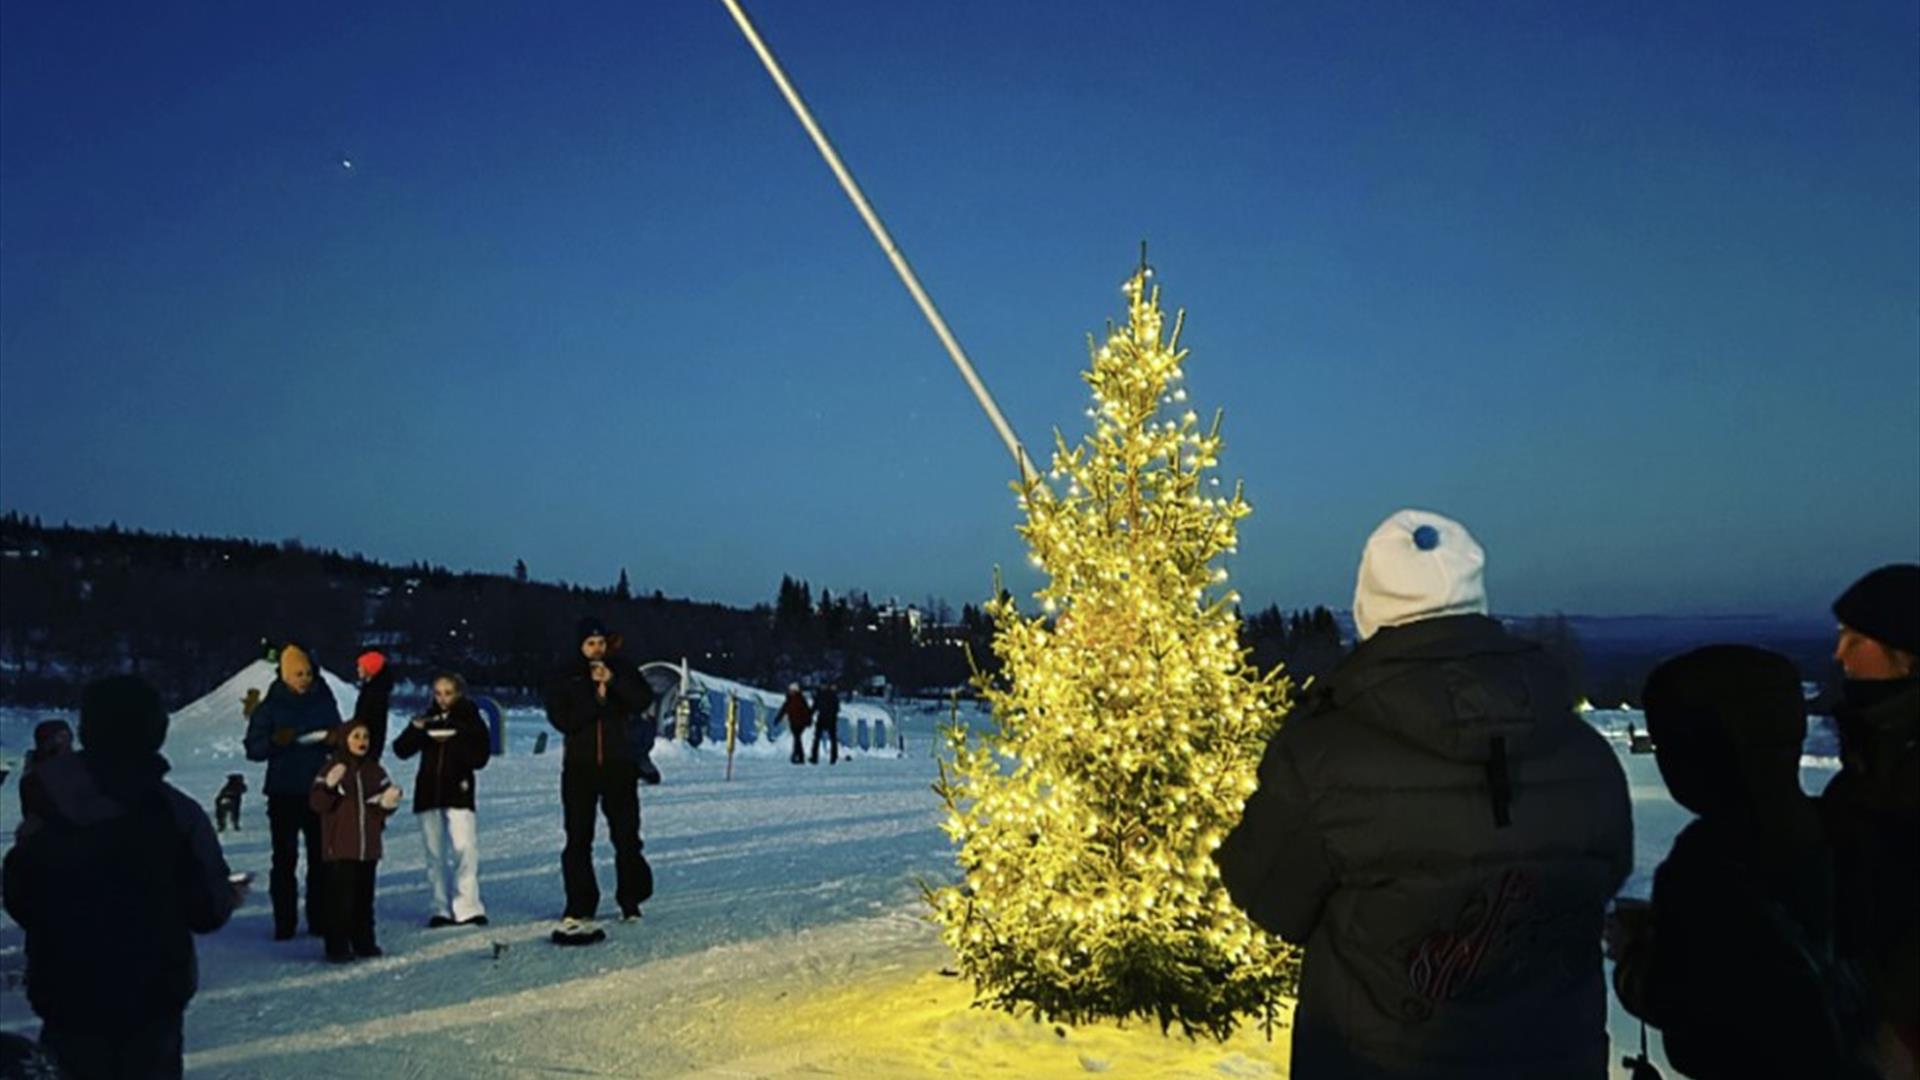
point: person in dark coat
(453, 744)
(1741, 934)
(1442, 832)
(592, 700)
(226, 802)
(110, 885)
(826, 719)
(51, 739)
(376, 696)
(1872, 807)
(353, 798)
(289, 732)
(798, 714)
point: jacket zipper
(360, 800)
(439, 789)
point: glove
(335, 775)
(390, 799)
(282, 736)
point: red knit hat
(370, 663)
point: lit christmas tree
(1128, 725)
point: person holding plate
(289, 732)
(452, 744)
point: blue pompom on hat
(1418, 565)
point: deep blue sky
(1633, 291)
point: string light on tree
(1127, 727)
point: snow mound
(214, 725)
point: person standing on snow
(110, 884)
(453, 744)
(1741, 928)
(798, 715)
(376, 696)
(826, 720)
(1872, 807)
(1442, 832)
(353, 798)
(289, 732)
(592, 700)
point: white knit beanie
(1418, 565)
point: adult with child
(289, 732)
(110, 881)
(353, 798)
(452, 743)
(1442, 832)
(1872, 807)
(592, 700)
(1740, 935)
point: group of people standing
(326, 787)
(1446, 837)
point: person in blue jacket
(289, 732)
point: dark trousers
(225, 810)
(799, 754)
(290, 818)
(112, 1051)
(832, 730)
(614, 789)
(349, 909)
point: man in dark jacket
(826, 720)
(1442, 833)
(592, 700)
(1741, 933)
(110, 886)
(289, 732)
(1872, 808)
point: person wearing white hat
(1442, 832)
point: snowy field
(785, 939)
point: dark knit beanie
(1885, 606)
(122, 714)
(589, 627)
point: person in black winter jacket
(376, 697)
(110, 884)
(289, 731)
(1740, 936)
(1442, 832)
(592, 700)
(1872, 807)
(453, 744)
(826, 721)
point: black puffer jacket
(447, 765)
(370, 708)
(1443, 832)
(599, 732)
(110, 883)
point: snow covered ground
(785, 939)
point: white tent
(860, 721)
(214, 725)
